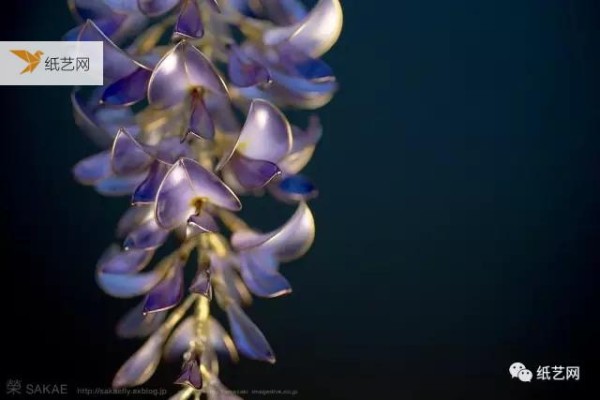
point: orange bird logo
(32, 60)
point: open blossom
(188, 127)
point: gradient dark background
(458, 224)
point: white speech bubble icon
(515, 368)
(525, 375)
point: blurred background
(457, 227)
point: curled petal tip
(315, 34)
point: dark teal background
(458, 225)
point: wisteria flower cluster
(190, 118)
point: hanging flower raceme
(190, 120)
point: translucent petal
(181, 70)
(296, 63)
(128, 90)
(315, 34)
(284, 12)
(202, 284)
(132, 218)
(185, 183)
(204, 222)
(88, 9)
(147, 235)
(172, 149)
(292, 92)
(190, 375)
(220, 339)
(128, 285)
(303, 147)
(146, 192)
(189, 22)
(266, 135)
(125, 6)
(248, 338)
(101, 123)
(201, 124)
(119, 185)
(169, 292)
(92, 169)
(259, 271)
(128, 156)
(155, 8)
(244, 71)
(125, 262)
(295, 162)
(179, 341)
(287, 243)
(222, 114)
(117, 63)
(136, 324)
(234, 288)
(141, 366)
(302, 86)
(253, 174)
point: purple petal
(249, 340)
(189, 22)
(117, 63)
(171, 149)
(119, 185)
(284, 12)
(181, 70)
(294, 188)
(131, 219)
(123, 6)
(201, 124)
(234, 288)
(315, 34)
(128, 90)
(128, 285)
(204, 222)
(266, 134)
(185, 184)
(146, 192)
(92, 169)
(146, 236)
(190, 375)
(141, 366)
(125, 262)
(244, 71)
(169, 292)
(136, 324)
(179, 341)
(128, 156)
(220, 339)
(100, 123)
(259, 271)
(155, 8)
(88, 9)
(303, 146)
(287, 243)
(202, 284)
(222, 114)
(253, 174)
